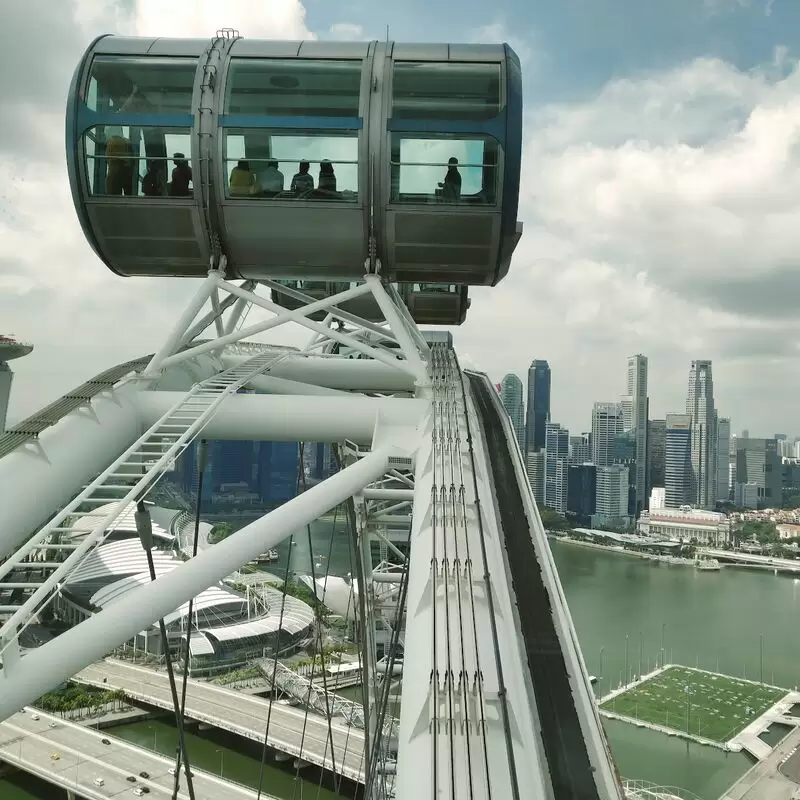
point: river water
(735, 621)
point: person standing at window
(327, 178)
(451, 187)
(181, 176)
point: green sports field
(719, 706)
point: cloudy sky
(660, 193)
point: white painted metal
(451, 716)
(131, 476)
(360, 375)
(282, 316)
(56, 661)
(388, 494)
(313, 694)
(44, 474)
(295, 418)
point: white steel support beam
(397, 495)
(293, 418)
(301, 316)
(350, 374)
(206, 320)
(59, 659)
(184, 321)
(345, 316)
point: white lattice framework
(401, 413)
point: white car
(138, 791)
(35, 716)
(98, 781)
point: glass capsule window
(446, 91)
(293, 88)
(444, 170)
(141, 85)
(128, 161)
(291, 165)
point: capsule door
(443, 163)
(130, 156)
(291, 152)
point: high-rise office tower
(606, 426)
(556, 467)
(637, 392)
(700, 404)
(511, 397)
(723, 458)
(677, 460)
(580, 448)
(656, 442)
(758, 464)
(538, 405)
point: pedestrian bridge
(290, 730)
(752, 559)
(75, 758)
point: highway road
(290, 731)
(73, 757)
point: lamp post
(600, 676)
(761, 657)
(626, 658)
(663, 629)
(221, 761)
(641, 653)
(688, 705)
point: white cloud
(663, 217)
(346, 31)
(522, 42)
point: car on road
(98, 781)
(35, 716)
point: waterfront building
(687, 524)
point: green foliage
(245, 674)
(718, 706)
(219, 532)
(553, 521)
(73, 697)
(765, 532)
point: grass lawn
(719, 706)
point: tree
(552, 520)
(220, 532)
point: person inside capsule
(242, 180)
(327, 179)
(303, 181)
(451, 187)
(271, 179)
(153, 182)
(181, 176)
(119, 159)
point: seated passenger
(242, 180)
(271, 178)
(181, 176)
(119, 173)
(153, 183)
(451, 188)
(327, 179)
(302, 181)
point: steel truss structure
(496, 701)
